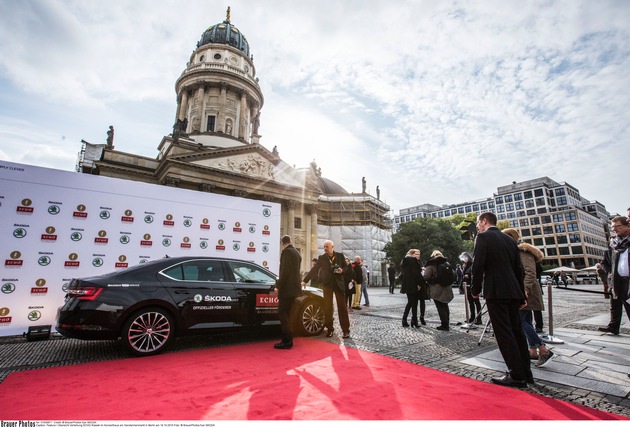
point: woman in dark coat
(348, 279)
(412, 283)
(440, 294)
(473, 303)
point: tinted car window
(199, 270)
(249, 273)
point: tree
(426, 234)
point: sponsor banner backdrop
(57, 225)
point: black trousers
(506, 324)
(342, 310)
(538, 319)
(473, 303)
(392, 284)
(284, 313)
(618, 303)
(412, 304)
(443, 312)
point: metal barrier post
(549, 338)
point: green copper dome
(225, 33)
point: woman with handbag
(441, 294)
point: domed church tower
(218, 92)
(214, 147)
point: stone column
(183, 106)
(291, 206)
(314, 235)
(222, 101)
(242, 123)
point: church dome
(225, 33)
(330, 187)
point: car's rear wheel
(148, 332)
(309, 318)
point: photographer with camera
(332, 280)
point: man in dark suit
(497, 271)
(329, 267)
(288, 286)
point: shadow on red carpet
(313, 381)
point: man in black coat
(289, 288)
(329, 267)
(498, 272)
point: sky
(432, 101)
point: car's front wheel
(148, 332)
(309, 318)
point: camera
(335, 267)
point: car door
(254, 287)
(201, 291)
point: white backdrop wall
(57, 225)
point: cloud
(435, 102)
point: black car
(149, 304)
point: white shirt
(622, 264)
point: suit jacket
(288, 283)
(323, 267)
(497, 269)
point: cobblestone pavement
(591, 369)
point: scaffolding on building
(359, 225)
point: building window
(550, 241)
(538, 242)
(570, 216)
(508, 198)
(514, 224)
(518, 196)
(526, 232)
(524, 222)
(531, 212)
(535, 221)
(211, 122)
(564, 251)
(561, 201)
(548, 229)
(518, 205)
(577, 250)
(559, 191)
(297, 223)
(500, 208)
(562, 240)
(468, 209)
(528, 194)
(509, 207)
(572, 226)
(574, 238)
(529, 203)
(538, 192)
(546, 219)
(552, 252)
(484, 206)
(511, 215)
(560, 228)
(460, 210)
(557, 218)
(501, 217)
(536, 231)
(540, 201)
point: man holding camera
(331, 278)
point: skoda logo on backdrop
(166, 242)
(252, 229)
(104, 215)
(124, 239)
(97, 262)
(148, 219)
(187, 222)
(266, 212)
(19, 233)
(265, 248)
(8, 288)
(221, 226)
(53, 209)
(43, 260)
(203, 244)
(34, 315)
(236, 246)
(76, 236)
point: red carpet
(313, 381)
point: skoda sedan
(150, 304)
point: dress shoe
(539, 330)
(329, 333)
(415, 325)
(608, 330)
(442, 328)
(346, 335)
(405, 324)
(422, 322)
(508, 381)
(356, 308)
(283, 345)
